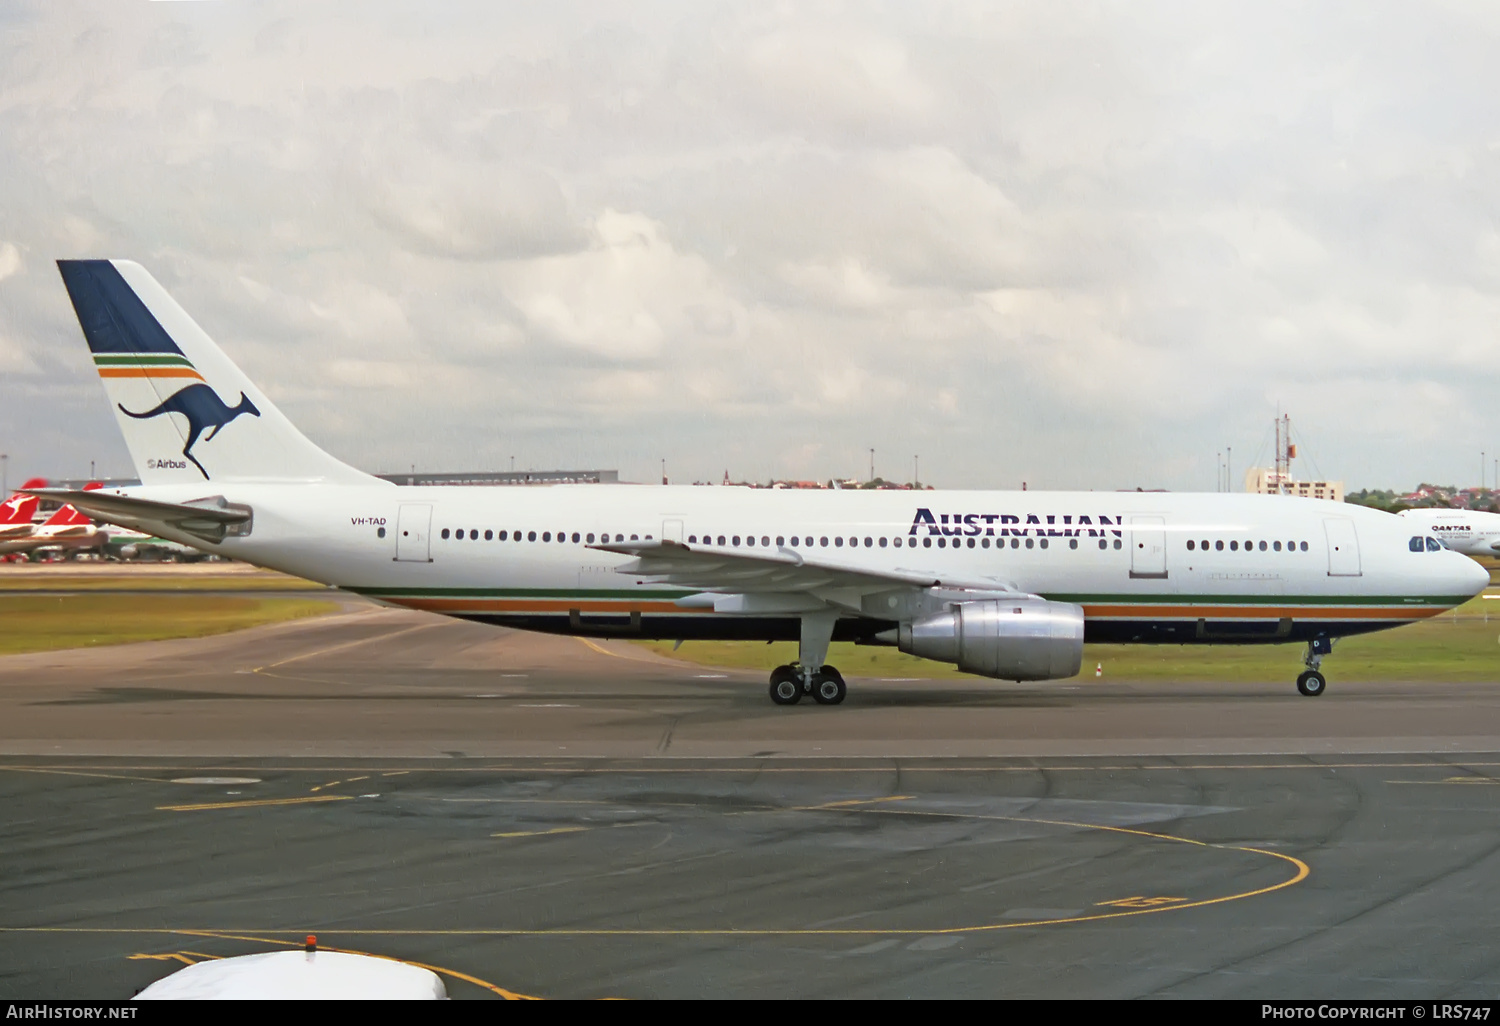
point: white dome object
(298, 976)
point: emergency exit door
(1343, 547)
(1148, 547)
(414, 534)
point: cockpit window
(1415, 544)
(1433, 545)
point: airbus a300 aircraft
(1004, 584)
(1463, 530)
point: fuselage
(1145, 566)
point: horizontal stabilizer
(209, 519)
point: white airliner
(1007, 585)
(1468, 531)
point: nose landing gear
(1311, 682)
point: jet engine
(1020, 639)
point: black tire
(828, 687)
(1311, 684)
(786, 686)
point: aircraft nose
(1473, 577)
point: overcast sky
(1080, 245)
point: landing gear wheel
(786, 686)
(1311, 683)
(828, 687)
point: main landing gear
(809, 675)
(1311, 682)
(789, 684)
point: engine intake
(1021, 639)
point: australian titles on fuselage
(1015, 525)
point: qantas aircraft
(15, 516)
(1463, 530)
(1007, 585)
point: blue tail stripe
(113, 317)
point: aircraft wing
(711, 568)
(208, 519)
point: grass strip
(38, 623)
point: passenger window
(546, 536)
(1029, 543)
(896, 542)
(1117, 543)
(1304, 546)
(838, 543)
(1073, 543)
(1219, 546)
(634, 538)
(1203, 545)
(588, 537)
(882, 543)
(575, 536)
(488, 534)
(750, 541)
(1262, 546)
(854, 543)
(1103, 544)
(721, 539)
(735, 541)
(1043, 543)
(942, 543)
(445, 534)
(781, 540)
(984, 543)
(823, 542)
(971, 543)
(765, 541)
(1015, 543)
(1276, 546)
(869, 542)
(1433, 545)
(503, 535)
(1234, 546)
(1190, 545)
(926, 543)
(795, 541)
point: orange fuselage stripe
(522, 605)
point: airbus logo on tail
(205, 412)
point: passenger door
(414, 534)
(671, 530)
(1148, 547)
(1343, 547)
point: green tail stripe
(151, 360)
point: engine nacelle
(1021, 639)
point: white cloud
(1078, 251)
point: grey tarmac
(547, 817)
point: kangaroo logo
(204, 411)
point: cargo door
(1343, 547)
(414, 534)
(1148, 547)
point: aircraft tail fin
(67, 516)
(18, 509)
(187, 412)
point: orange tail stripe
(149, 372)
